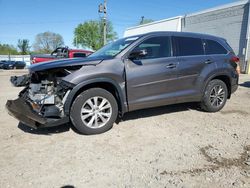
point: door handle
(171, 66)
(208, 61)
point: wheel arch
(223, 77)
(104, 83)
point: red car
(59, 53)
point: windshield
(114, 48)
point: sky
(24, 19)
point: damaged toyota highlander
(132, 73)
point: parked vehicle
(59, 53)
(1, 63)
(138, 72)
(14, 65)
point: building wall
(230, 23)
(172, 24)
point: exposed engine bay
(44, 91)
(46, 99)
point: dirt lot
(174, 146)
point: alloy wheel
(217, 96)
(96, 112)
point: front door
(151, 80)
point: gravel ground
(172, 146)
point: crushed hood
(64, 63)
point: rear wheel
(215, 96)
(94, 111)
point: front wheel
(215, 96)
(94, 111)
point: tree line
(44, 43)
(86, 35)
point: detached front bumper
(23, 112)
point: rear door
(191, 58)
(151, 80)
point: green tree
(23, 46)
(90, 34)
(48, 41)
(6, 49)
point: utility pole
(142, 20)
(76, 42)
(103, 9)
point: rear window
(213, 47)
(188, 46)
(78, 54)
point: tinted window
(79, 55)
(156, 47)
(187, 46)
(213, 47)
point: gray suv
(132, 73)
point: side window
(156, 47)
(188, 46)
(78, 54)
(213, 47)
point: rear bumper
(234, 88)
(22, 111)
(234, 83)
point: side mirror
(137, 54)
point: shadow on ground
(44, 131)
(161, 110)
(128, 116)
(245, 84)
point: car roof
(181, 34)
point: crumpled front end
(41, 102)
(22, 111)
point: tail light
(236, 61)
(34, 60)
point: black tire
(210, 103)
(82, 102)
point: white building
(171, 24)
(230, 21)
